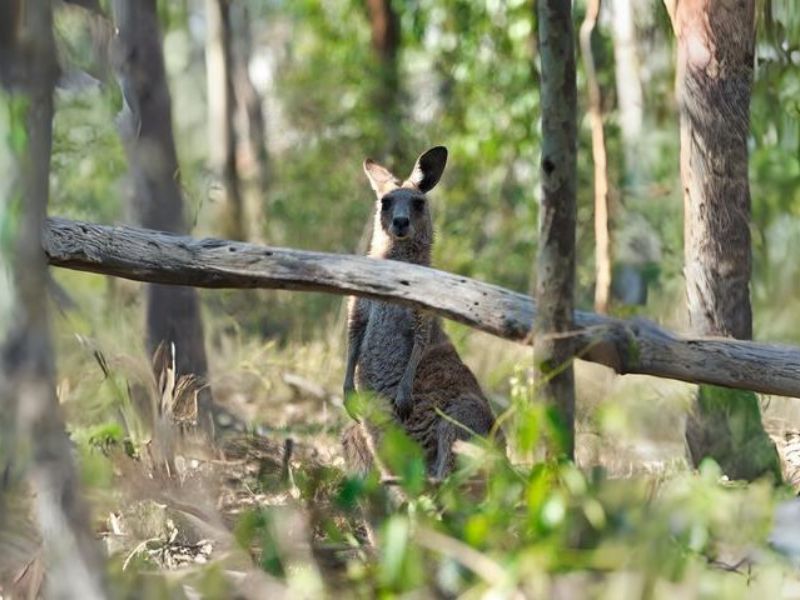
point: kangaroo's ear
(380, 178)
(429, 168)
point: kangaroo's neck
(415, 250)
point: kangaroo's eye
(386, 203)
(418, 203)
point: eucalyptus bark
(602, 236)
(33, 434)
(221, 111)
(173, 313)
(555, 265)
(716, 46)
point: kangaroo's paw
(402, 401)
(349, 386)
(350, 402)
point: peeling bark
(715, 73)
(716, 45)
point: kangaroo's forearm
(355, 335)
(357, 317)
(413, 362)
(422, 336)
(353, 350)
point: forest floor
(270, 511)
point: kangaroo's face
(402, 206)
(403, 212)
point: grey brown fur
(402, 353)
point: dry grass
(172, 504)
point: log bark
(627, 346)
(555, 262)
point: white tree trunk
(629, 85)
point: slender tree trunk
(629, 87)
(385, 32)
(32, 425)
(221, 111)
(715, 73)
(555, 265)
(602, 253)
(630, 286)
(252, 135)
(385, 28)
(173, 313)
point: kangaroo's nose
(400, 223)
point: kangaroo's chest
(386, 348)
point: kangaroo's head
(403, 227)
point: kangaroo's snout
(401, 227)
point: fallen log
(627, 346)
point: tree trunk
(385, 28)
(221, 111)
(173, 313)
(715, 73)
(602, 253)
(33, 433)
(555, 264)
(252, 137)
(629, 87)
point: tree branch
(627, 346)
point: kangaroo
(403, 354)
